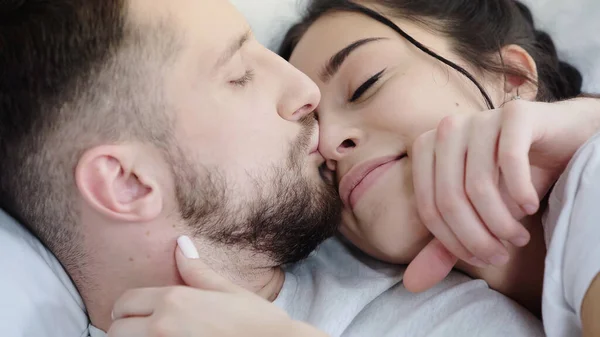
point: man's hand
(477, 175)
(209, 306)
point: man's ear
(517, 58)
(115, 184)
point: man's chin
(293, 209)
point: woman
(403, 83)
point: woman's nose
(334, 145)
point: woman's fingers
(195, 273)
(513, 158)
(429, 268)
(137, 303)
(424, 185)
(451, 198)
(481, 182)
(457, 170)
(129, 327)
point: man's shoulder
(38, 298)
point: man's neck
(248, 269)
(271, 289)
(522, 278)
(109, 285)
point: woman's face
(379, 93)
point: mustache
(309, 120)
(301, 145)
(308, 124)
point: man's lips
(314, 148)
(314, 142)
(353, 178)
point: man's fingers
(195, 273)
(429, 268)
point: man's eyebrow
(233, 48)
(336, 61)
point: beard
(286, 219)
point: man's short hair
(74, 74)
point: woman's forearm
(590, 310)
(589, 105)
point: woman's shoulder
(572, 239)
(583, 169)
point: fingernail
(499, 260)
(187, 247)
(520, 241)
(112, 315)
(477, 262)
(530, 209)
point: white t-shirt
(345, 293)
(572, 229)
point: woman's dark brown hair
(478, 28)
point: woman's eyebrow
(336, 61)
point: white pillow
(574, 25)
(37, 297)
(270, 19)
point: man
(125, 124)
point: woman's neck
(522, 278)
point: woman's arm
(541, 139)
(590, 310)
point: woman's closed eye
(366, 86)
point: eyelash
(366, 86)
(242, 81)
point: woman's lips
(356, 182)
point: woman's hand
(210, 306)
(477, 175)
